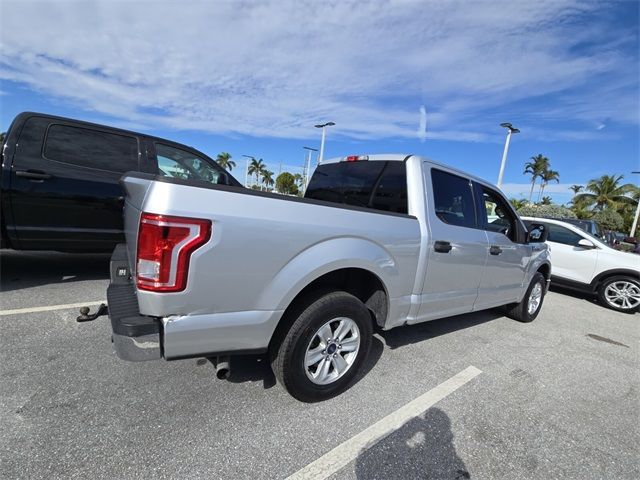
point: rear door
(457, 246)
(64, 183)
(509, 254)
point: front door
(508, 253)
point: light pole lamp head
(511, 128)
(322, 125)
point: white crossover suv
(583, 262)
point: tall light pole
(246, 172)
(511, 129)
(635, 218)
(307, 167)
(323, 126)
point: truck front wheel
(324, 348)
(527, 310)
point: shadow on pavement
(31, 269)
(421, 449)
(575, 294)
(401, 336)
(253, 368)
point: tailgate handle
(495, 250)
(442, 247)
(33, 174)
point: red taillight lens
(165, 245)
(357, 158)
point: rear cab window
(379, 185)
(85, 147)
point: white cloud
(275, 68)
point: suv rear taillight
(165, 244)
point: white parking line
(331, 462)
(50, 308)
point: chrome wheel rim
(623, 294)
(535, 298)
(332, 351)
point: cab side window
(177, 163)
(453, 199)
(562, 235)
(90, 148)
(498, 217)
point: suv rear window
(372, 184)
(85, 147)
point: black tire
(609, 282)
(520, 311)
(288, 354)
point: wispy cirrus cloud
(274, 68)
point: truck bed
(264, 249)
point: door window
(562, 235)
(85, 147)
(498, 216)
(176, 163)
(453, 199)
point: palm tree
(576, 189)
(546, 200)
(256, 167)
(536, 168)
(267, 177)
(518, 203)
(224, 160)
(607, 191)
(547, 176)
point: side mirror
(587, 244)
(537, 233)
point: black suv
(60, 180)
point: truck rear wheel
(527, 310)
(324, 348)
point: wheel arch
(617, 272)
(359, 282)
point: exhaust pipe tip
(223, 368)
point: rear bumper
(136, 337)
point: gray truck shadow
(401, 336)
(252, 368)
(20, 270)
(421, 449)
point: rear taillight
(165, 245)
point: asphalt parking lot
(557, 398)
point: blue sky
(253, 78)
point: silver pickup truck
(378, 242)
